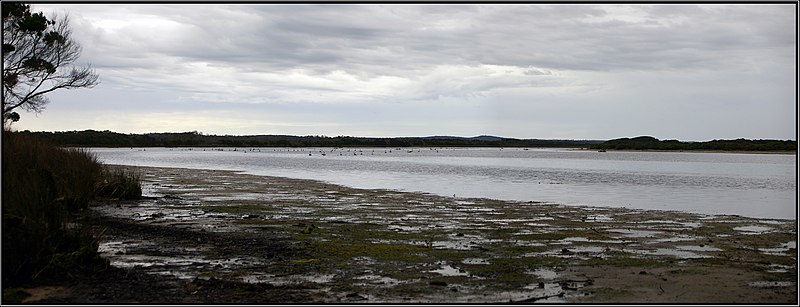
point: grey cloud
(405, 56)
(555, 36)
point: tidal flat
(228, 237)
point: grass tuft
(120, 184)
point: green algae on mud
(355, 245)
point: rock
(437, 283)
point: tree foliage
(38, 57)
(91, 138)
(651, 143)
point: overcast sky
(570, 71)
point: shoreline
(325, 243)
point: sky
(560, 71)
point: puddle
(588, 249)
(236, 197)
(475, 261)
(530, 243)
(447, 270)
(575, 239)
(667, 222)
(777, 268)
(771, 284)
(364, 260)
(571, 240)
(547, 292)
(112, 247)
(475, 209)
(781, 250)
(453, 245)
(635, 233)
(598, 218)
(287, 280)
(771, 222)
(382, 281)
(673, 239)
(405, 228)
(682, 254)
(181, 262)
(462, 242)
(748, 230)
(546, 274)
(176, 274)
(128, 261)
(576, 252)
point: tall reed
(42, 186)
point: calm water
(755, 185)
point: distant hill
(485, 138)
(488, 138)
(92, 138)
(651, 143)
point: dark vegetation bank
(44, 187)
(92, 138)
(651, 143)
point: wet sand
(226, 237)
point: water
(754, 185)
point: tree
(37, 59)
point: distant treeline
(651, 143)
(92, 138)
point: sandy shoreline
(326, 243)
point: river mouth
(382, 246)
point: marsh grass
(43, 187)
(120, 183)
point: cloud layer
(692, 72)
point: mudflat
(207, 236)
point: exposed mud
(206, 236)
